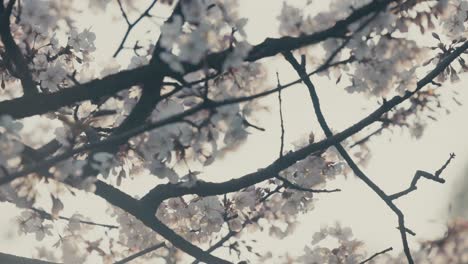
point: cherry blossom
(185, 89)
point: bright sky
(394, 160)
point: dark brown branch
(22, 107)
(419, 173)
(165, 191)
(273, 46)
(93, 90)
(12, 259)
(140, 253)
(355, 168)
(250, 178)
(15, 59)
(145, 215)
(376, 254)
(366, 138)
(300, 69)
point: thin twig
(423, 174)
(49, 216)
(131, 25)
(291, 185)
(355, 168)
(140, 253)
(124, 14)
(376, 254)
(280, 102)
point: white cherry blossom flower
(53, 76)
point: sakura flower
(172, 61)
(137, 61)
(245, 199)
(63, 136)
(98, 4)
(170, 32)
(110, 67)
(407, 81)
(194, 11)
(83, 41)
(102, 162)
(74, 223)
(53, 76)
(290, 20)
(237, 56)
(193, 47)
(40, 62)
(9, 125)
(35, 14)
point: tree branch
(15, 59)
(435, 177)
(300, 69)
(145, 215)
(130, 25)
(12, 259)
(140, 253)
(376, 254)
(24, 107)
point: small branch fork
(388, 199)
(131, 25)
(423, 174)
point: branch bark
(139, 210)
(24, 107)
(18, 66)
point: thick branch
(12, 259)
(13, 55)
(165, 191)
(23, 107)
(93, 90)
(145, 215)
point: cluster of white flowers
(36, 15)
(133, 233)
(53, 76)
(455, 20)
(198, 219)
(98, 4)
(210, 31)
(32, 222)
(384, 63)
(291, 20)
(222, 128)
(83, 41)
(348, 250)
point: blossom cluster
(202, 29)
